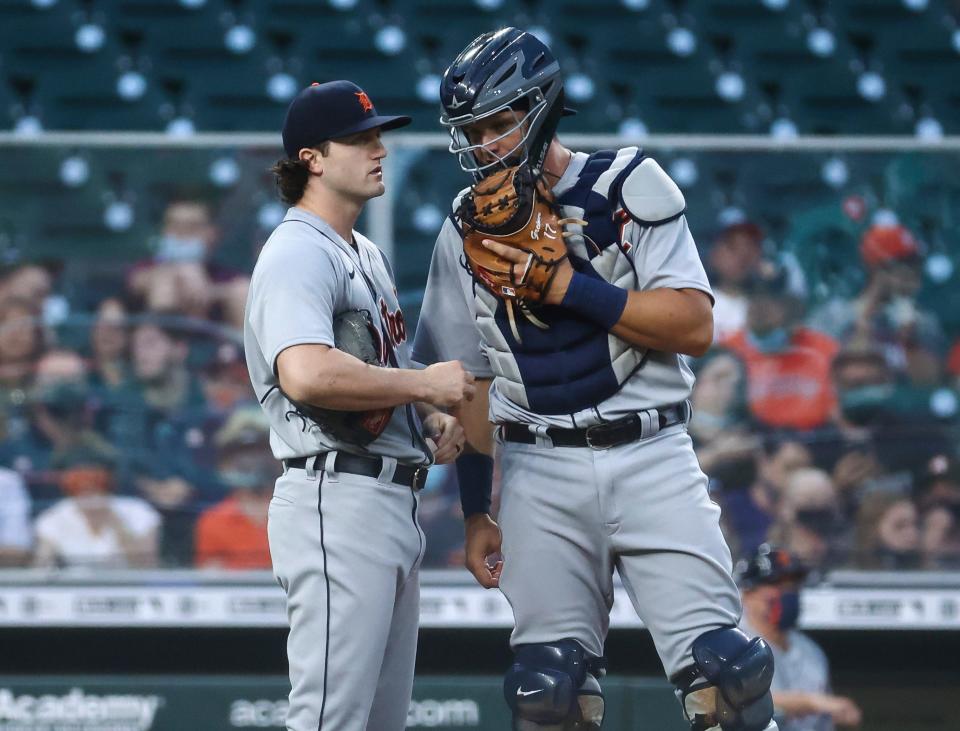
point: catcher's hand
(482, 548)
(513, 209)
(562, 272)
(513, 239)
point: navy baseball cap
(324, 112)
(769, 565)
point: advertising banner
(202, 703)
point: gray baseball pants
(347, 551)
(570, 515)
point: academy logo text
(77, 711)
(426, 713)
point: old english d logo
(364, 100)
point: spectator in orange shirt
(788, 365)
(233, 533)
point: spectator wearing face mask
(233, 533)
(720, 421)
(886, 311)
(810, 523)
(183, 277)
(876, 440)
(770, 588)
(788, 365)
(751, 492)
(58, 416)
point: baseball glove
(353, 333)
(514, 208)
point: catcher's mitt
(353, 333)
(514, 208)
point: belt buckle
(589, 439)
(416, 476)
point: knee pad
(552, 687)
(729, 683)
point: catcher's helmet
(499, 70)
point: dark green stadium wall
(904, 681)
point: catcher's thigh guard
(728, 686)
(552, 687)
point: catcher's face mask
(467, 151)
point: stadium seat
(170, 28)
(658, 60)
(89, 98)
(746, 20)
(35, 40)
(916, 46)
(422, 202)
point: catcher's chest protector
(572, 364)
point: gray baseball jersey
(305, 275)
(337, 573)
(571, 515)
(622, 379)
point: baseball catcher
(588, 416)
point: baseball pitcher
(355, 427)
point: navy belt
(609, 434)
(414, 476)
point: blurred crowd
(130, 436)
(828, 427)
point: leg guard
(728, 686)
(552, 687)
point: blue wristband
(475, 475)
(595, 299)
